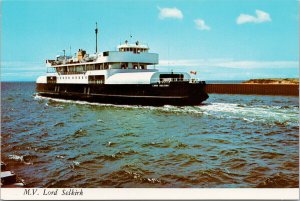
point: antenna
(96, 32)
(70, 51)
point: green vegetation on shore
(273, 81)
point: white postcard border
(152, 194)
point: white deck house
(128, 65)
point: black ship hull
(173, 93)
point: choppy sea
(230, 141)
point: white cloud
(170, 13)
(260, 64)
(230, 69)
(260, 17)
(16, 64)
(200, 24)
(20, 66)
(227, 63)
(21, 70)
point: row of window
(73, 77)
(82, 68)
(134, 50)
(135, 66)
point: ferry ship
(127, 76)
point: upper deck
(127, 56)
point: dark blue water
(229, 141)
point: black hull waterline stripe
(175, 94)
(125, 96)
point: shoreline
(286, 81)
(254, 89)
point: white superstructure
(128, 65)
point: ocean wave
(25, 159)
(246, 112)
(266, 114)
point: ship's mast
(96, 31)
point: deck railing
(191, 80)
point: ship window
(91, 67)
(96, 79)
(171, 77)
(124, 66)
(105, 54)
(106, 66)
(51, 79)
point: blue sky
(220, 39)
